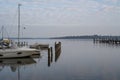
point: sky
(54, 18)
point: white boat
(14, 51)
(18, 52)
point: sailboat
(17, 51)
(4, 42)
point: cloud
(111, 1)
(60, 11)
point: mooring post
(49, 61)
(51, 53)
(57, 50)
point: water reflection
(79, 60)
(15, 64)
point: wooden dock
(108, 40)
(40, 46)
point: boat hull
(15, 53)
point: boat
(4, 42)
(17, 53)
(12, 50)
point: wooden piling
(49, 61)
(57, 50)
(51, 53)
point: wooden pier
(40, 46)
(108, 40)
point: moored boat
(8, 49)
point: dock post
(49, 61)
(51, 53)
(57, 50)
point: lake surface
(78, 60)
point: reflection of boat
(16, 62)
(36, 56)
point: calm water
(78, 60)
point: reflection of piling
(57, 50)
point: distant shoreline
(86, 37)
(74, 37)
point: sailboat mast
(2, 32)
(19, 24)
